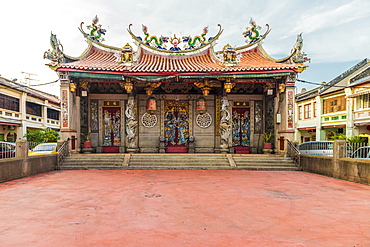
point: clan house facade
(176, 94)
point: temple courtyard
(183, 208)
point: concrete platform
(183, 208)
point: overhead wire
(325, 84)
(28, 86)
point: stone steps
(92, 162)
(178, 161)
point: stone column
(70, 110)
(225, 125)
(339, 151)
(23, 111)
(349, 111)
(131, 125)
(45, 113)
(22, 152)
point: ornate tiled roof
(252, 61)
(96, 59)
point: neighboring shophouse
(340, 107)
(23, 108)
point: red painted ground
(183, 208)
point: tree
(44, 135)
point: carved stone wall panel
(258, 116)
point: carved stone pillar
(225, 125)
(131, 125)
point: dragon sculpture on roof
(153, 40)
(96, 31)
(252, 32)
(197, 41)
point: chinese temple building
(176, 94)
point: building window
(314, 109)
(33, 109)
(363, 101)
(53, 114)
(300, 112)
(307, 111)
(334, 104)
(9, 103)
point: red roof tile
(96, 59)
(149, 62)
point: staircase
(265, 162)
(92, 162)
(178, 161)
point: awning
(362, 124)
(10, 122)
(334, 126)
(308, 128)
(358, 94)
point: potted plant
(267, 138)
(87, 143)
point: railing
(293, 152)
(63, 151)
(323, 148)
(7, 150)
(357, 150)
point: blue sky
(336, 32)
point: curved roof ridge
(267, 56)
(207, 45)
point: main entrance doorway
(111, 129)
(241, 130)
(176, 126)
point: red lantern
(201, 105)
(151, 105)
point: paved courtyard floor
(183, 208)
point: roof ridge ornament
(197, 41)
(229, 56)
(190, 44)
(96, 30)
(158, 43)
(56, 54)
(126, 55)
(299, 55)
(253, 34)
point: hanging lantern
(201, 105)
(205, 91)
(228, 86)
(128, 87)
(151, 105)
(149, 91)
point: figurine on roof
(125, 56)
(197, 41)
(175, 42)
(300, 56)
(153, 40)
(253, 34)
(56, 54)
(96, 31)
(229, 56)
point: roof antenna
(27, 78)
